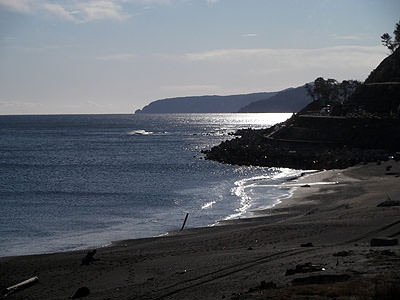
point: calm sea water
(77, 181)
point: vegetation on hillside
(392, 43)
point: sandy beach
(314, 245)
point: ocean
(71, 182)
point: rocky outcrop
(368, 131)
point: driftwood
(22, 285)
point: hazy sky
(115, 56)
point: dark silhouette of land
(286, 101)
(366, 128)
(203, 104)
(290, 100)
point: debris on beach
(19, 286)
(389, 203)
(380, 242)
(304, 268)
(81, 292)
(342, 253)
(89, 258)
(263, 286)
(321, 279)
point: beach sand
(253, 258)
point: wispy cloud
(289, 56)
(117, 57)
(22, 6)
(73, 10)
(84, 11)
(346, 37)
(280, 68)
(191, 88)
(250, 35)
(96, 10)
(59, 11)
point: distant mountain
(203, 104)
(290, 100)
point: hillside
(290, 100)
(366, 130)
(203, 104)
(381, 91)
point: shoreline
(233, 261)
(248, 214)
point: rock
(342, 253)
(81, 292)
(89, 258)
(307, 245)
(389, 203)
(267, 285)
(380, 242)
(392, 173)
(304, 268)
(263, 286)
(321, 279)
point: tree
(325, 91)
(330, 91)
(389, 42)
(347, 88)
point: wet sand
(323, 229)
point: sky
(116, 56)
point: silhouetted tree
(347, 88)
(323, 90)
(330, 91)
(389, 42)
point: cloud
(250, 35)
(59, 11)
(72, 10)
(97, 10)
(84, 11)
(22, 6)
(346, 37)
(117, 57)
(191, 88)
(291, 57)
(255, 69)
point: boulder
(381, 242)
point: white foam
(140, 132)
(246, 190)
(208, 204)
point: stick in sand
(184, 222)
